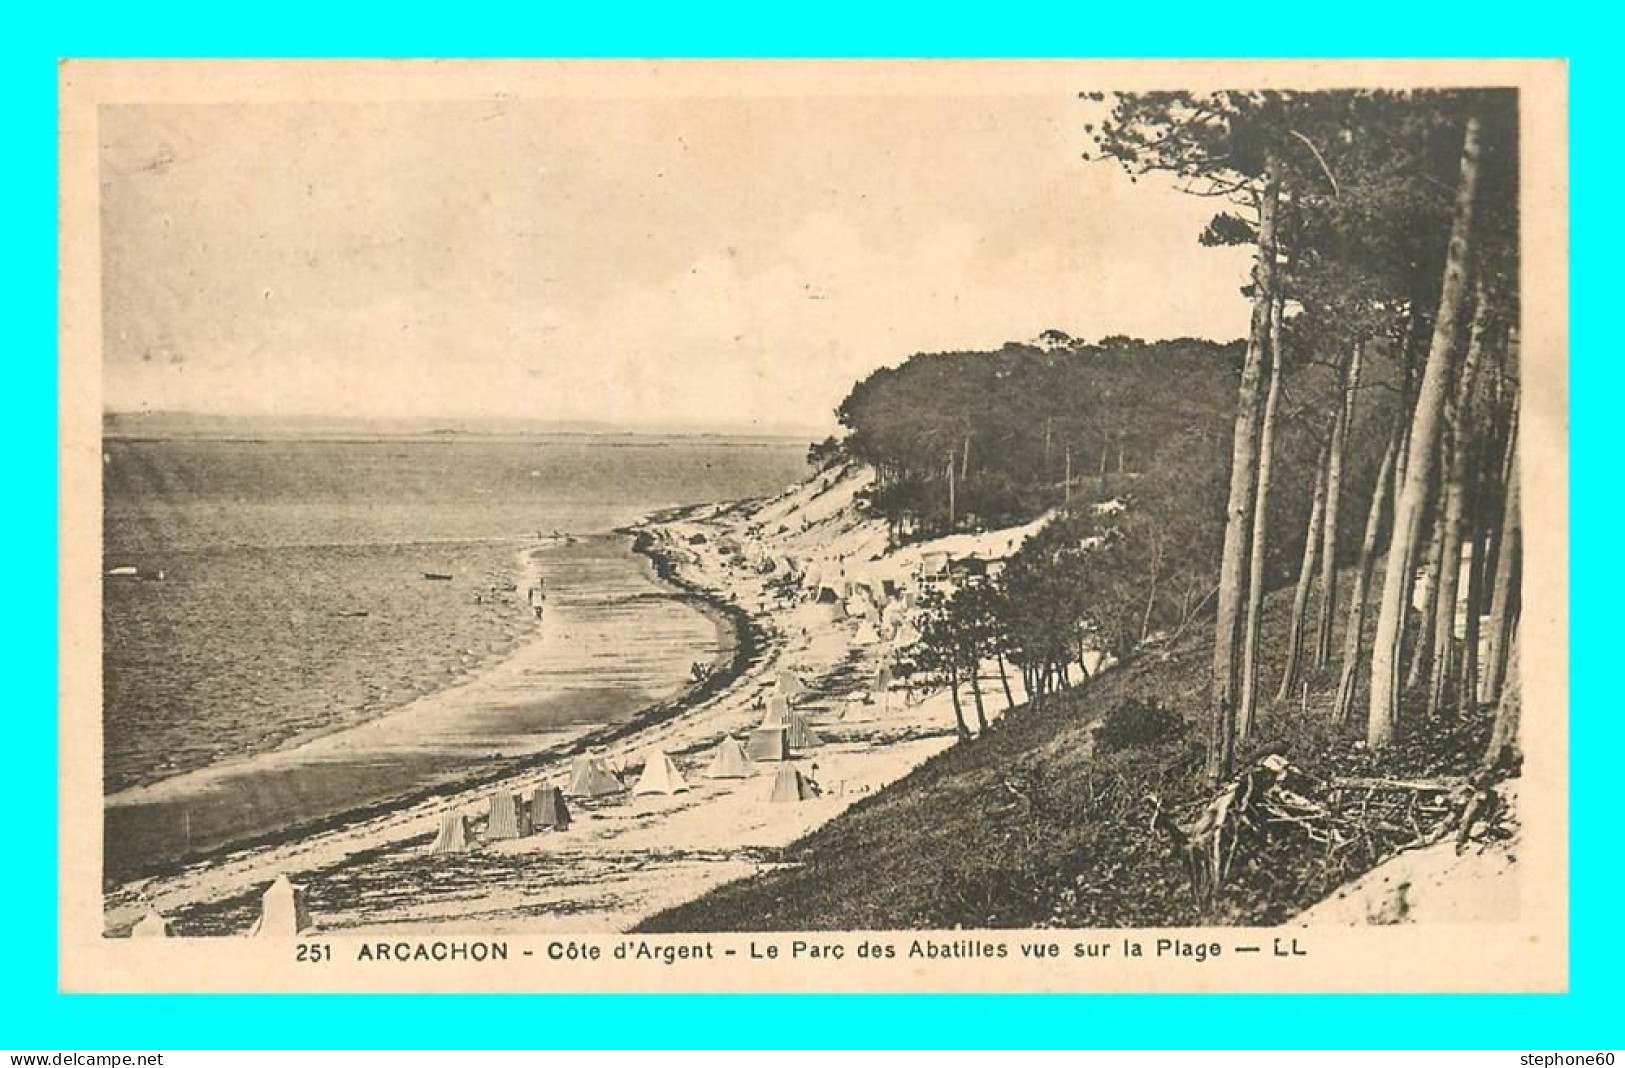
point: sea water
(294, 662)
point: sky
(717, 262)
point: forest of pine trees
(1359, 446)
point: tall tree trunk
(1306, 579)
(964, 464)
(959, 712)
(1504, 751)
(1383, 721)
(1068, 490)
(952, 503)
(1233, 563)
(1004, 680)
(1334, 496)
(1458, 450)
(1151, 591)
(1247, 710)
(1422, 649)
(1353, 632)
(1480, 581)
(1466, 681)
(1508, 573)
(976, 695)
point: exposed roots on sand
(1274, 809)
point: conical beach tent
(778, 712)
(769, 743)
(508, 818)
(791, 785)
(790, 685)
(866, 634)
(589, 777)
(660, 776)
(801, 735)
(152, 925)
(283, 913)
(728, 761)
(547, 808)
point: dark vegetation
(1040, 822)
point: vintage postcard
(814, 526)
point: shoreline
(749, 641)
(501, 644)
(626, 856)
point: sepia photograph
(837, 525)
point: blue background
(33, 1015)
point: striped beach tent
(453, 837)
(509, 819)
(547, 808)
(802, 736)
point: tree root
(1274, 801)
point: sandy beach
(625, 857)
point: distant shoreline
(176, 426)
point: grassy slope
(1028, 826)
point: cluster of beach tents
(782, 732)
(511, 816)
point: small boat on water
(136, 572)
(436, 576)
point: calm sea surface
(294, 662)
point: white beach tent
(769, 743)
(778, 711)
(152, 925)
(283, 913)
(865, 634)
(790, 785)
(660, 776)
(590, 777)
(790, 685)
(729, 761)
